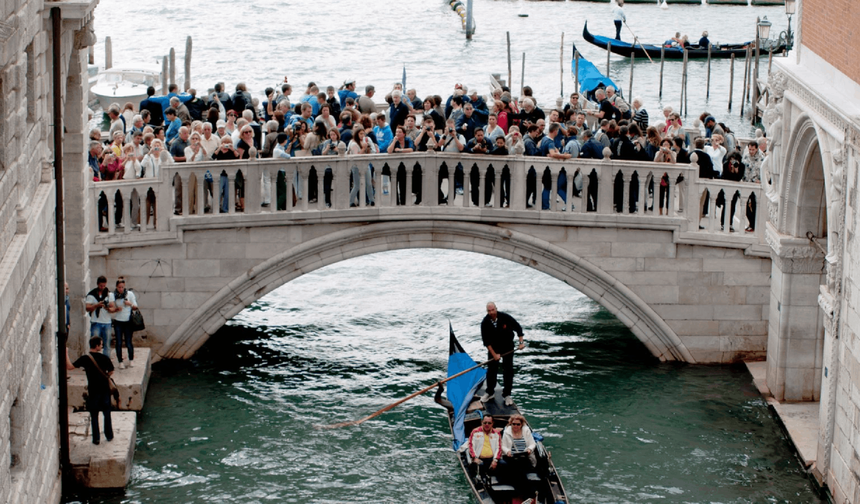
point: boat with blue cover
(508, 485)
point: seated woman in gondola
(517, 440)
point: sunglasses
(487, 423)
(516, 423)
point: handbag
(136, 319)
(114, 391)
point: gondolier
(497, 334)
(620, 18)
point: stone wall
(29, 445)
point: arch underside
(519, 247)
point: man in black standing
(497, 333)
(98, 368)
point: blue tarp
(463, 388)
(589, 76)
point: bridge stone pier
(689, 294)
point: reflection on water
(235, 423)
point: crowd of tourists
(182, 127)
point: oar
(411, 396)
(636, 41)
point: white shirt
(618, 13)
(103, 316)
(125, 314)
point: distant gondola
(465, 412)
(639, 49)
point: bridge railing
(532, 187)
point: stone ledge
(800, 420)
(107, 465)
(131, 382)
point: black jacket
(501, 335)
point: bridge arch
(516, 246)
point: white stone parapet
(200, 206)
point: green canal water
(236, 423)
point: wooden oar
(411, 396)
(636, 41)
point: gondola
(639, 49)
(541, 483)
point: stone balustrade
(206, 193)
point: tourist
(181, 110)
(618, 102)
(94, 159)
(152, 105)
(240, 99)
(365, 102)
(573, 107)
(717, 152)
(430, 111)
(485, 446)
(360, 144)
(427, 139)
(704, 42)
(492, 130)
(117, 124)
(209, 141)
(412, 98)
(606, 110)
(173, 124)
(640, 115)
(99, 368)
(125, 301)
(131, 166)
(618, 17)
(497, 333)
(227, 152)
(99, 303)
(397, 111)
(347, 91)
(517, 439)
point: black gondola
(639, 49)
(541, 483)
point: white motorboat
(125, 84)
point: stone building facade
(29, 440)
(813, 121)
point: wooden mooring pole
(608, 54)
(171, 70)
(510, 77)
(523, 75)
(744, 89)
(576, 69)
(561, 65)
(731, 80)
(662, 60)
(630, 86)
(108, 53)
(708, 85)
(164, 68)
(188, 63)
(468, 19)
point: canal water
(261, 41)
(236, 423)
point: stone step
(131, 382)
(108, 464)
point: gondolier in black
(497, 333)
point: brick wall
(830, 30)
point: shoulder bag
(114, 391)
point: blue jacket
(592, 149)
(343, 94)
(471, 123)
(383, 137)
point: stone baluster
(407, 197)
(497, 186)
(363, 190)
(482, 182)
(232, 197)
(605, 187)
(670, 194)
(519, 169)
(126, 212)
(111, 225)
(253, 188)
(270, 179)
(583, 205)
(467, 182)
(429, 180)
(378, 198)
(554, 204)
(643, 194)
(202, 195)
(452, 190)
(304, 181)
(337, 191)
(185, 191)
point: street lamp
(763, 28)
(787, 36)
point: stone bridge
(689, 290)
